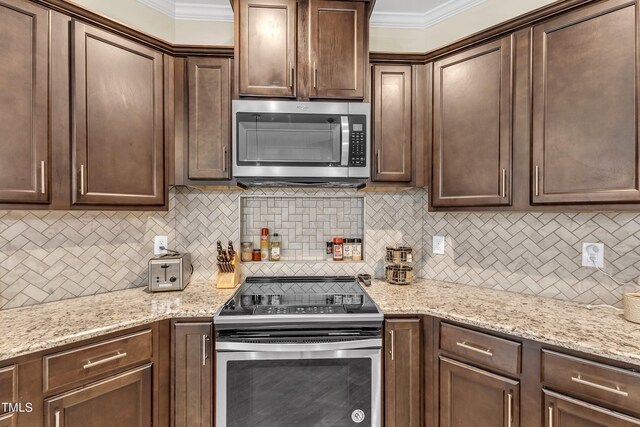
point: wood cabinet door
(266, 32)
(562, 411)
(472, 127)
(8, 420)
(473, 397)
(392, 136)
(585, 111)
(24, 76)
(403, 361)
(193, 374)
(118, 141)
(209, 117)
(123, 400)
(337, 57)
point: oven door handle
(298, 347)
(344, 158)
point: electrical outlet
(593, 255)
(158, 242)
(438, 245)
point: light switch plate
(160, 241)
(438, 245)
(593, 255)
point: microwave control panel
(358, 150)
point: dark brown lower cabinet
(403, 401)
(193, 374)
(562, 411)
(472, 397)
(122, 400)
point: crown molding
(203, 12)
(191, 11)
(168, 7)
(421, 20)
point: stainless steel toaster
(170, 272)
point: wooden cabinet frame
(501, 176)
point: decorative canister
(632, 307)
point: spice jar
(256, 254)
(347, 250)
(247, 251)
(357, 249)
(329, 251)
(276, 244)
(337, 249)
(264, 245)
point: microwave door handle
(344, 159)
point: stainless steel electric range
(298, 352)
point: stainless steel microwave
(312, 142)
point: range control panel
(358, 142)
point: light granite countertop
(600, 331)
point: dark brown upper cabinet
(402, 361)
(585, 111)
(337, 49)
(392, 120)
(209, 118)
(193, 374)
(24, 142)
(266, 47)
(473, 397)
(472, 127)
(301, 49)
(118, 126)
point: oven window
(298, 393)
(288, 139)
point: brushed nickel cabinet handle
(550, 416)
(43, 175)
(616, 390)
(378, 161)
(504, 183)
(315, 75)
(82, 180)
(393, 346)
(56, 417)
(91, 364)
(509, 409)
(204, 350)
(471, 347)
(291, 77)
(537, 181)
(224, 159)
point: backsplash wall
(536, 253)
(48, 256)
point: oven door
(298, 385)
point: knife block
(229, 280)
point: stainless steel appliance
(301, 142)
(298, 351)
(170, 272)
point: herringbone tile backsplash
(536, 253)
(48, 256)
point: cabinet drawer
(8, 385)
(596, 382)
(482, 349)
(87, 362)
